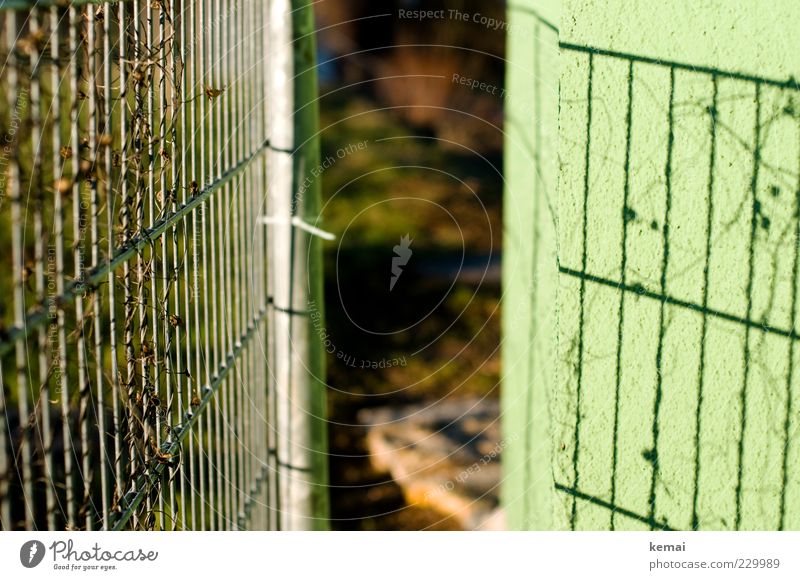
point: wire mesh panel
(135, 389)
(678, 236)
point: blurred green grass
(404, 182)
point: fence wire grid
(136, 392)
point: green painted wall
(672, 398)
(530, 274)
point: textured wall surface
(529, 264)
(673, 398)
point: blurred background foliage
(429, 167)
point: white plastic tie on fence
(297, 222)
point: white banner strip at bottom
(399, 555)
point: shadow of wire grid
(678, 296)
(135, 389)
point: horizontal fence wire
(135, 393)
(679, 265)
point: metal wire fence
(137, 390)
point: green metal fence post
(299, 364)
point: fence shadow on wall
(678, 257)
